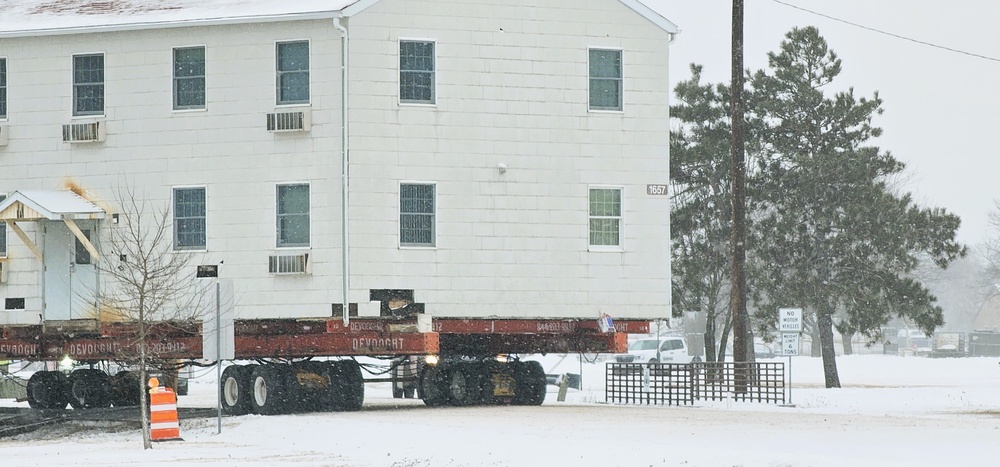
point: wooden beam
(82, 238)
(27, 241)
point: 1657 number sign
(656, 190)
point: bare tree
(145, 284)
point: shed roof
(51, 205)
(25, 18)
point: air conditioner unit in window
(288, 264)
(3, 135)
(289, 121)
(92, 132)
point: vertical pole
(581, 372)
(789, 380)
(218, 348)
(738, 298)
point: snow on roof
(25, 18)
(55, 205)
(40, 17)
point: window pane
(88, 84)
(604, 232)
(3, 233)
(416, 71)
(293, 215)
(293, 72)
(605, 202)
(3, 92)
(416, 214)
(189, 78)
(606, 79)
(189, 219)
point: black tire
(48, 390)
(409, 392)
(530, 381)
(90, 389)
(269, 391)
(314, 384)
(432, 386)
(235, 392)
(125, 389)
(348, 385)
(397, 392)
(458, 386)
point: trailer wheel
(125, 390)
(89, 389)
(530, 380)
(458, 387)
(269, 389)
(48, 390)
(236, 393)
(432, 386)
(349, 385)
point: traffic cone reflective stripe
(163, 424)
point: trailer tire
(48, 390)
(531, 382)
(349, 385)
(89, 388)
(432, 386)
(269, 389)
(235, 390)
(125, 389)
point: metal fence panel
(677, 384)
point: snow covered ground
(892, 411)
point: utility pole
(738, 302)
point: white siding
(511, 88)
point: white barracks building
(497, 154)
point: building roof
(51, 205)
(26, 18)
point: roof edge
(358, 7)
(174, 24)
(652, 16)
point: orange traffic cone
(163, 424)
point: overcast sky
(941, 107)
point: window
(3, 233)
(3, 88)
(416, 72)
(88, 84)
(416, 214)
(82, 253)
(189, 219)
(605, 79)
(293, 215)
(189, 78)
(293, 72)
(605, 216)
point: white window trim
(620, 247)
(606, 111)
(399, 71)
(173, 81)
(173, 218)
(274, 215)
(276, 83)
(72, 86)
(399, 212)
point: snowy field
(892, 411)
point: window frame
(620, 79)
(3, 88)
(278, 216)
(433, 215)
(619, 246)
(177, 79)
(279, 73)
(433, 72)
(177, 218)
(77, 85)
(3, 232)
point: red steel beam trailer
(469, 359)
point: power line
(879, 31)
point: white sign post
(790, 325)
